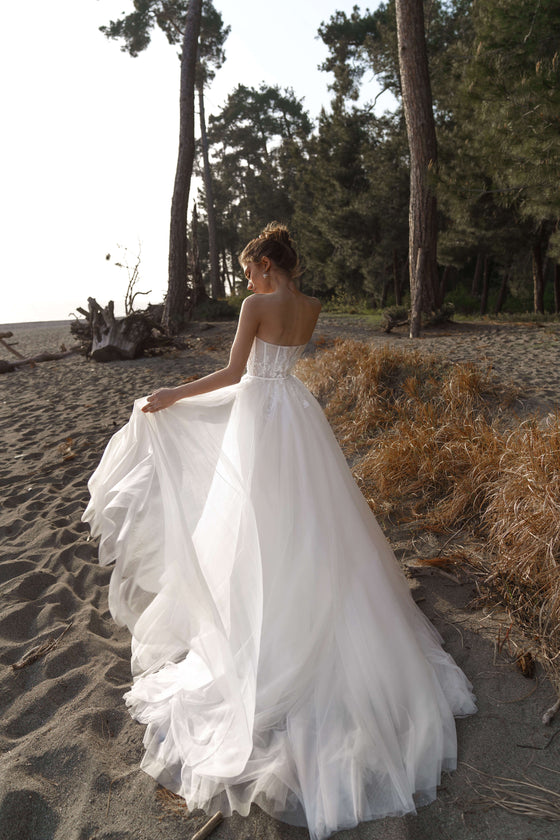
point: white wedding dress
(277, 654)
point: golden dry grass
(436, 441)
(424, 432)
(172, 802)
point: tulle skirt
(277, 654)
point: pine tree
(500, 162)
(254, 140)
(182, 22)
(420, 124)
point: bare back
(287, 317)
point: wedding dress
(277, 654)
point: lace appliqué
(272, 361)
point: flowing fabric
(277, 654)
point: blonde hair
(275, 243)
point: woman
(277, 654)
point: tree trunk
(234, 282)
(396, 278)
(538, 278)
(199, 291)
(416, 307)
(175, 303)
(405, 277)
(420, 127)
(385, 292)
(502, 293)
(485, 286)
(477, 274)
(557, 288)
(225, 272)
(216, 287)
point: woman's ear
(265, 262)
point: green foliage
(215, 310)
(514, 82)
(256, 140)
(526, 317)
(346, 38)
(343, 303)
(236, 301)
(500, 150)
(463, 301)
(135, 28)
(360, 42)
(342, 185)
(351, 203)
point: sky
(90, 134)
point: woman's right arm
(249, 319)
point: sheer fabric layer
(277, 654)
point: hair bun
(277, 232)
(275, 243)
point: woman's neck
(280, 281)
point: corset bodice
(272, 361)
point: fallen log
(10, 347)
(394, 316)
(6, 367)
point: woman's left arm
(249, 319)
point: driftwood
(209, 826)
(10, 347)
(39, 651)
(6, 367)
(389, 324)
(394, 317)
(105, 338)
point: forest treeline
(341, 182)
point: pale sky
(89, 140)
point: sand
(69, 752)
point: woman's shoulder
(311, 304)
(314, 302)
(275, 299)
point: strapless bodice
(272, 361)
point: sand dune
(69, 753)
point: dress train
(277, 654)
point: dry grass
(364, 391)
(523, 512)
(522, 520)
(424, 431)
(437, 442)
(520, 796)
(172, 802)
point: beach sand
(69, 752)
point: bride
(277, 654)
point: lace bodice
(272, 361)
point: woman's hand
(162, 398)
